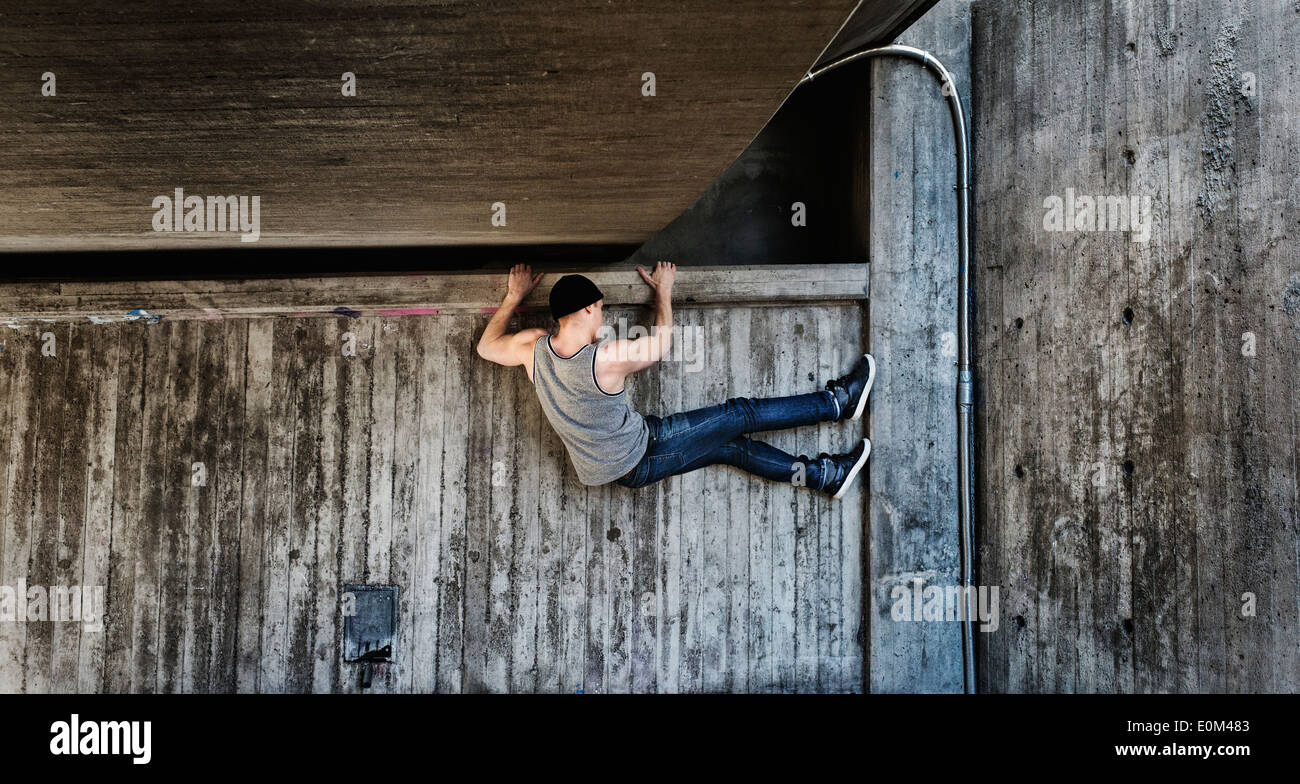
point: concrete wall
(906, 173)
(1138, 430)
(413, 462)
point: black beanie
(572, 293)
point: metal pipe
(965, 377)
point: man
(580, 386)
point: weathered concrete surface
(412, 463)
(33, 304)
(1138, 426)
(909, 172)
(458, 105)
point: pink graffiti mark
(416, 311)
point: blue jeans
(715, 436)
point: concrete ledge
(416, 294)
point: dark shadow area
(804, 154)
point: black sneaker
(846, 468)
(851, 390)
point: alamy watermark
(1099, 213)
(914, 601)
(687, 346)
(53, 604)
(215, 213)
(93, 738)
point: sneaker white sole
(866, 390)
(853, 472)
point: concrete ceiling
(458, 106)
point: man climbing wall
(581, 387)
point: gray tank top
(604, 437)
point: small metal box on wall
(369, 623)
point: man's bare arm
(509, 349)
(629, 356)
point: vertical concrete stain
(1217, 153)
(1291, 300)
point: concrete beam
(411, 294)
(544, 108)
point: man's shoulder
(526, 348)
(532, 335)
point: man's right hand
(662, 279)
(520, 282)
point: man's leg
(696, 432)
(689, 437)
(685, 438)
(824, 472)
(843, 398)
(763, 459)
